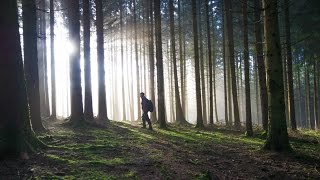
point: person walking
(145, 103)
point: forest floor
(125, 151)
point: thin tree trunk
(261, 65)
(137, 56)
(256, 83)
(285, 82)
(88, 110)
(179, 113)
(230, 43)
(315, 97)
(151, 60)
(196, 59)
(122, 65)
(31, 62)
(291, 106)
(202, 70)
(45, 107)
(224, 66)
(53, 64)
(159, 64)
(102, 110)
(210, 65)
(249, 130)
(307, 96)
(41, 57)
(182, 60)
(300, 97)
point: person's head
(142, 94)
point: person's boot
(143, 125)
(150, 126)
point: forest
(234, 86)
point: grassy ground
(125, 151)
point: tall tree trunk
(181, 57)
(202, 69)
(230, 44)
(316, 96)
(122, 65)
(196, 60)
(88, 110)
(182, 43)
(210, 64)
(285, 82)
(261, 65)
(31, 62)
(136, 55)
(151, 59)
(43, 78)
(249, 130)
(77, 115)
(102, 112)
(299, 96)
(224, 66)
(307, 96)
(41, 57)
(53, 64)
(160, 78)
(16, 134)
(291, 106)
(179, 113)
(277, 139)
(256, 83)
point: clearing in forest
(125, 151)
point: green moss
(60, 159)
(107, 162)
(131, 175)
(95, 174)
(204, 176)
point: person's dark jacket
(144, 102)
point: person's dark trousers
(145, 117)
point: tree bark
(137, 56)
(151, 60)
(31, 62)
(230, 44)
(16, 134)
(307, 96)
(300, 97)
(159, 64)
(277, 139)
(224, 66)
(261, 64)
(102, 112)
(124, 117)
(316, 96)
(53, 64)
(291, 106)
(88, 110)
(196, 60)
(249, 130)
(42, 49)
(202, 69)
(179, 113)
(210, 65)
(77, 115)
